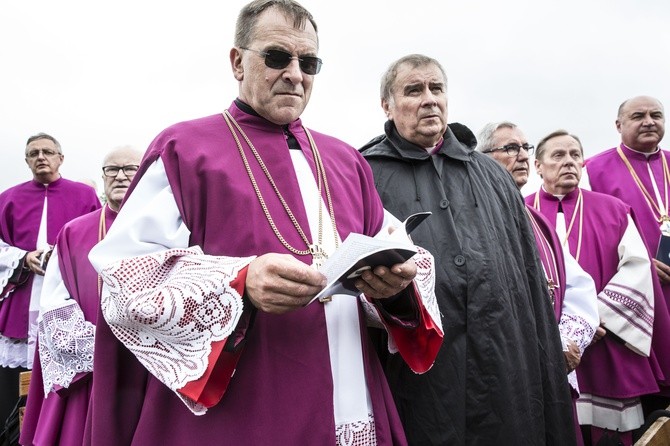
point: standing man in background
(636, 172)
(68, 311)
(31, 215)
(571, 289)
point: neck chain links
(315, 249)
(662, 217)
(548, 258)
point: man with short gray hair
(31, 215)
(500, 375)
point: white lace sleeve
(66, 339)
(10, 257)
(165, 302)
(579, 314)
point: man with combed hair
(571, 289)
(31, 214)
(207, 333)
(500, 374)
(603, 238)
(68, 311)
(636, 172)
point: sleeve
(579, 314)
(11, 268)
(66, 339)
(626, 304)
(418, 342)
(171, 305)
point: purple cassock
(282, 389)
(608, 368)
(551, 255)
(61, 417)
(601, 170)
(20, 216)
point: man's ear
(618, 125)
(236, 63)
(386, 106)
(538, 167)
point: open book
(359, 253)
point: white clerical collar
(560, 197)
(647, 154)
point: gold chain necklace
(650, 201)
(102, 232)
(548, 254)
(579, 209)
(315, 249)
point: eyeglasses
(112, 171)
(278, 60)
(46, 152)
(513, 149)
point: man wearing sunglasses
(207, 334)
(68, 312)
(31, 214)
(571, 289)
(500, 376)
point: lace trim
(66, 343)
(577, 329)
(10, 257)
(13, 352)
(168, 308)
(424, 283)
(357, 433)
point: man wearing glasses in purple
(207, 334)
(68, 312)
(31, 215)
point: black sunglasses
(278, 60)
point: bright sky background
(97, 75)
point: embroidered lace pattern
(577, 329)
(9, 261)
(13, 352)
(168, 307)
(424, 284)
(357, 433)
(66, 342)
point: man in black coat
(499, 378)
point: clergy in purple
(640, 168)
(206, 335)
(61, 382)
(571, 289)
(603, 238)
(31, 214)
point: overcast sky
(98, 75)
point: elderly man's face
(278, 95)
(418, 104)
(561, 165)
(126, 161)
(44, 160)
(642, 124)
(517, 165)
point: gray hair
(485, 136)
(248, 18)
(539, 151)
(414, 60)
(41, 135)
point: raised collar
(451, 146)
(640, 156)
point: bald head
(641, 123)
(119, 168)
